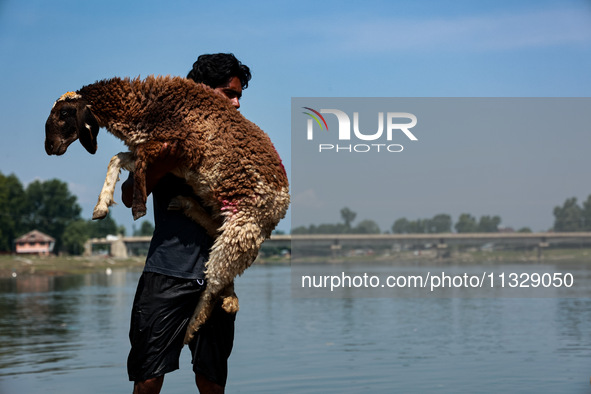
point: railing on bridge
(118, 246)
(123, 247)
(314, 244)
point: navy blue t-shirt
(179, 247)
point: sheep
(229, 162)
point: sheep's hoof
(100, 212)
(230, 304)
(138, 214)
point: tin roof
(34, 236)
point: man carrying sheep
(173, 277)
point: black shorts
(161, 311)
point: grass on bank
(11, 265)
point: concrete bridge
(122, 247)
(315, 243)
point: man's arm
(165, 163)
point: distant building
(35, 242)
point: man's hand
(165, 162)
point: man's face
(232, 90)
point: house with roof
(35, 242)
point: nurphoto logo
(395, 124)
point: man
(173, 276)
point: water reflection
(69, 335)
(53, 324)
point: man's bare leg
(150, 386)
(207, 386)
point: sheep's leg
(194, 210)
(234, 250)
(145, 154)
(138, 207)
(105, 200)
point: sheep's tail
(236, 248)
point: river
(69, 335)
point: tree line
(573, 217)
(441, 223)
(50, 207)
(569, 217)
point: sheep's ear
(88, 129)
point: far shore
(17, 265)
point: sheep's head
(70, 119)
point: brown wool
(229, 162)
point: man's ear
(88, 129)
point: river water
(69, 335)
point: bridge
(122, 247)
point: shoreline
(18, 265)
(464, 257)
(12, 266)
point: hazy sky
(512, 157)
(295, 49)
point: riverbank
(18, 265)
(462, 257)
(13, 265)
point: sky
(484, 156)
(299, 49)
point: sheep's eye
(64, 112)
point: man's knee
(150, 386)
(206, 386)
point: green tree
(367, 227)
(568, 217)
(50, 208)
(324, 228)
(328, 228)
(12, 208)
(146, 229)
(586, 214)
(348, 216)
(400, 226)
(418, 226)
(466, 224)
(300, 230)
(488, 224)
(75, 235)
(103, 227)
(440, 224)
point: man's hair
(217, 69)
